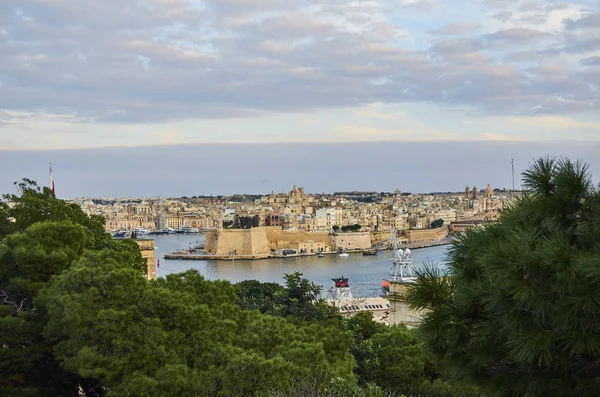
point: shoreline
(204, 256)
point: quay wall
(425, 235)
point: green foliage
(519, 310)
(41, 236)
(35, 204)
(351, 228)
(254, 295)
(78, 315)
(181, 335)
(393, 359)
(437, 223)
(299, 298)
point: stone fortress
(261, 242)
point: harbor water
(364, 272)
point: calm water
(365, 272)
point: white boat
(344, 254)
(140, 231)
(165, 230)
(187, 230)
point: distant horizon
(227, 169)
(501, 190)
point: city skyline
(80, 75)
(188, 170)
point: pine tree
(518, 310)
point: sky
(91, 85)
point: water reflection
(365, 272)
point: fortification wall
(281, 239)
(261, 240)
(351, 240)
(380, 237)
(424, 235)
(147, 249)
(246, 242)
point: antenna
(512, 163)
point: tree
(41, 236)
(519, 309)
(28, 261)
(255, 295)
(298, 298)
(182, 335)
(301, 298)
(35, 204)
(393, 359)
(437, 223)
(335, 228)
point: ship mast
(402, 269)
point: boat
(140, 231)
(401, 271)
(369, 252)
(321, 256)
(344, 254)
(341, 297)
(186, 230)
(342, 289)
(122, 234)
(163, 231)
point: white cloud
(168, 61)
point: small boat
(321, 256)
(344, 254)
(369, 252)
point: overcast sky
(113, 74)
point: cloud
(589, 21)
(491, 136)
(456, 29)
(169, 137)
(555, 122)
(591, 61)
(367, 133)
(167, 61)
(517, 35)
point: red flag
(158, 263)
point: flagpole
(51, 183)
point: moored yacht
(121, 234)
(186, 229)
(164, 230)
(140, 231)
